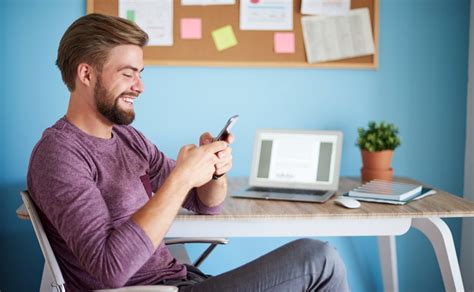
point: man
(107, 195)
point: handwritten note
(284, 42)
(191, 28)
(224, 38)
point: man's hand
(215, 191)
(224, 164)
(194, 168)
(198, 164)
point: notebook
(425, 192)
(386, 190)
(294, 165)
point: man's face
(119, 84)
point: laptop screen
(296, 159)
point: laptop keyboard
(291, 191)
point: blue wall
(420, 86)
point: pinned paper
(284, 42)
(191, 28)
(325, 7)
(207, 2)
(329, 38)
(266, 15)
(224, 38)
(155, 17)
(131, 15)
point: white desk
(261, 218)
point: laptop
(294, 165)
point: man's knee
(319, 254)
(323, 262)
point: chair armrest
(171, 241)
(213, 242)
(154, 288)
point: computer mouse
(347, 202)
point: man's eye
(127, 75)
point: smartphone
(226, 130)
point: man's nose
(138, 86)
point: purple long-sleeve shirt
(86, 189)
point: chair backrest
(52, 264)
(49, 257)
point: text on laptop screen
(299, 158)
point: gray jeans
(301, 265)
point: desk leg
(440, 237)
(388, 263)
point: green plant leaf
(378, 137)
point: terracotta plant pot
(370, 174)
(376, 165)
(377, 160)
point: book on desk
(380, 191)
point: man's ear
(85, 74)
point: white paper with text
(325, 7)
(266, 15)
(329, 38)
(206, 2)
(155, 17)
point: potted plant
(377, 143)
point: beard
(108, 105)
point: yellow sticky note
(224, 38)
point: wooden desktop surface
(441, 204)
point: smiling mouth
(128, 100)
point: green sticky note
(131, 15)
(224, 38)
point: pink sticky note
(284, 42)
(191, 28)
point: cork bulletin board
(254, 49)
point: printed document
(153, 16)
(266, 15)
(207, 2)
(328, 38)
(325, 7)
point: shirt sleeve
(161, 167)
(61, 182)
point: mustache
(129, 93)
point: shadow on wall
(21, 264)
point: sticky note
(224, 38)
(131, 15)
(191, 28)
(284, 42)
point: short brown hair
(90, 38)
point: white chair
(52, 279)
